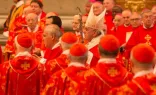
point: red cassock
(93, 48)
(109, 19)
(64, 82)
(143, 35)
(119, 33)
(51, 54)
(19, 23)
(144, 85)
(96, 56)
(42, 20)
(36, 35)
(21, 76)
(105, 76)
(55, 65)
(1, 55)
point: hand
(36, 57)
(37, 51)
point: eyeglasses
(135, 19)
(126, 17)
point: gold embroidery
(71, 89)
(25, 66)
(112, 71)
(148, 38)
(88, 73)
(153, 86)
(124, 90)
(63, 75)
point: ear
(95, 33)
(53, 36)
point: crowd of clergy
(110, 51)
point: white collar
(90, 57)
(39, 17)
(94, 42)
(142, 73)
(76, 64)
(147, 28)
(126, 25)
(19, 3)
(56, 45)
(77, 33)
(107, 61)
(66, 52)
(23, 54)
(35, 30)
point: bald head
(135, 19)
(49, 17)
(51, 14)
(32, 15)
(27, 10)
(109, 4)
(76, 22)
(126, 15)
(32, 20)
(97, 8)
(28, 2)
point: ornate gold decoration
(148, 38)
(153, 86)
(124, 90)
(25, 66)
(112, 71)
(135, 5)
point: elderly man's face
(47, 39)
(89, 33)
(135, 20)
(75, 24)
(31, 21)
(147, 19)
(108, 4)
(126, 15)
(97, 8)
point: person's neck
(148, 26)
(53, 44)
(136, 70)
(21, 51)
(111, 57)
(32, 28)
(126, 25)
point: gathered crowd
(110, 51)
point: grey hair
(80, 59)
(53, 30)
